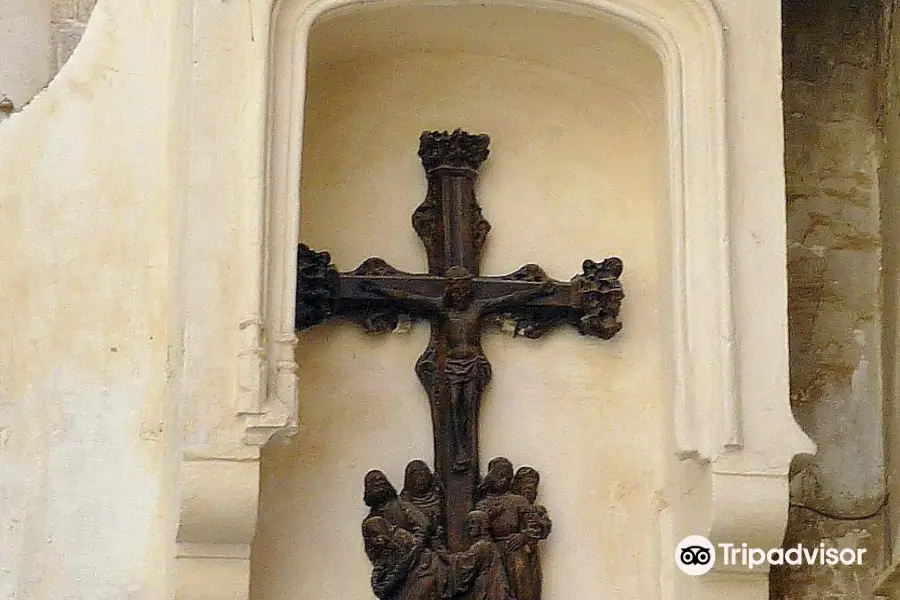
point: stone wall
(68, 23)
(833, 149)
(889, 176)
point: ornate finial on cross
(457, 150)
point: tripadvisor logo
(696, 555)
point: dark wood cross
(452, 295)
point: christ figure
(466, 368)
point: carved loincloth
(463, 370)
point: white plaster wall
(86, 431)
(577, 170)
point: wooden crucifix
(452, 295)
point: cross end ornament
(457, 150)
(452, 533)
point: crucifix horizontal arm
(348, 293)
(354, 292)
(426, 291)
(520, 298)
(404, 298)
(513, 294)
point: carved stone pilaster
(280, 414)
(251, 383)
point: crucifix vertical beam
(450, 222)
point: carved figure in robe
(407, 562)
(479, 573)
(536, 525)
(422, 489)
(403, 568)
(466, 368)
(505, 512)
(381, 497)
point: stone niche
(608, 138)
(575, 108)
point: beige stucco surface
(576, 171)
(85, 420)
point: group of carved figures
(404, 537)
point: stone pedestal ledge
(219, 500)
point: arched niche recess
(684, 34)
(576, 110)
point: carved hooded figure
(422, 489)
(402, 567)
(396, 536)
(381, 497)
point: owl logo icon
(695, 555)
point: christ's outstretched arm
(545, 289)
(414, 301)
